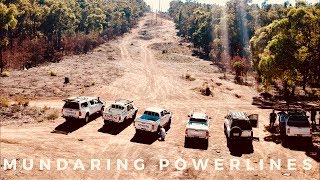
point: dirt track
(149, 82)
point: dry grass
(22, 101)
(53, 115)
(189, 77)
(5, 74)
(4, 102)
(206, 89)
(52, 73)
(44, 109)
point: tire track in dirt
(148, 81)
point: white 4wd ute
(152, 119)
(295, 124)
(238, 126)
(120, 111)
(197, 127)
(81, 107)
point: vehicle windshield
(298, 121)
(115, 106)
(243, 124)
(150, 113)
(71, 105)
(200, 121)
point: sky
(164, 4)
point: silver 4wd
(81, 107)
(238, 126)
(295, 124)
(197, 127)
(152, 119)
(120, 111)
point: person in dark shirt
(273, 117)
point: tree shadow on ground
(115, 128)
(71, 125)
(297, 144)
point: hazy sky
(165, 3)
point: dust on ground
(149, 80)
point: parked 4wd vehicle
(120, 111)
(152, 119)
(238, 126)
(197, 128)
(295, 124)
(82, 107)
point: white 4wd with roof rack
(238, 126)
(295, 124)
(197, 127)
(119, 111)
(152, 119)
(81, 107)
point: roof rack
(239, 115)
(76, 98)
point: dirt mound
(145, 35)
(84, 72)
(19, 114)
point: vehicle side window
(92, 102)
(128, 108)
(162, 113)
(85, 104)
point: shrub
(240, 66)
(52, 73)
(44, 109)
(53, 115)
(5, 74)
(22, 101)
(205, 90)
(4, 102)
(189, 77)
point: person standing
(313, 115)
(162, 134)
(273, 117)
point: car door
(228, 123)
(166, 116)
(127, 109)
(92, 107)
(254, 120)
(162, 118)
(130, 110)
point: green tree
(8, 20)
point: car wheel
(285, 141)
(134, 115)
(86, 118)
(206, 143)
(138, 131)
(169, 123)
(101, 111)
(186, 142)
